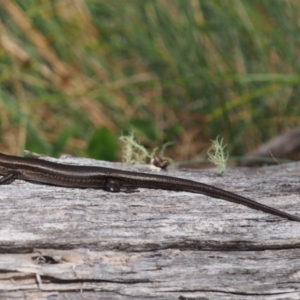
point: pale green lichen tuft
(217, 155)
(134, 152)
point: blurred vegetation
(75, 75)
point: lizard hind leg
(113, 185)
(8, 178)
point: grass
(76, 75)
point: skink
(113, 180)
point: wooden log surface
(70, 243)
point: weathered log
(285, 145)
(72, 243)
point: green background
(75, 75)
